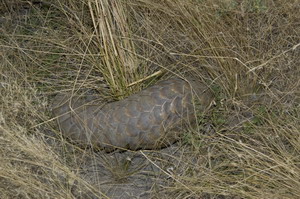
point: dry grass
(247, 146)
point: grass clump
(246, 146)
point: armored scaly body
(152, 118)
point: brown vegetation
(248, 144)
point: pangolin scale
(150, 119)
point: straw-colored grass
(246, 146)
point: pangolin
(150, 119)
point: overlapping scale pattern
(152, 118)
